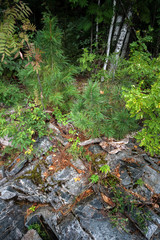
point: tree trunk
(122, 36)
(125, 45)
(119, 45)
(109, 39)
(117, 28)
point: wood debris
(90, 141)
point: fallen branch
(90, 141)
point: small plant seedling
(94, 178)
(139, 182)
(71, 131)
(32, 208)
(50, 148)
(105, 169)
(88, 157)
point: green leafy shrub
(23, 125)
(86, 60)
(140, 68)
(94, 178)
(100, 112)
(10, 94)
(145, 105)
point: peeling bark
(117, 28)
(122, 36)
(120, 44)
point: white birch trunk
(125, 45)
(109, 39)
(97, 27)
(117, 28)
(110, 36)
(119, 45)
(122, 36)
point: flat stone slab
(31, 235)
(6, 195)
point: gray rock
(70, 229)
(18, 167)
(11, 220)
(151, 230)
(31, 235)
(3, 181)
(78, 163)
(49, 160)
(52, 126)
(135, 173)
(6, 195)
(143, 191)
(75, 187)
(43, 224)
(152, 178)
(64, 174)
(61, 139)
(42, 146)
(151, 161)
(2, 172)
(95, 149)
(126, 179)
(98, 226)
(26, 186)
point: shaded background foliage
(71, 42)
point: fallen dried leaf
(107, 200)
(129, 160)
(45, 174)
(155, 205)
(77, 179)
(116, 170)
(51, 168)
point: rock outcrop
(69, 206)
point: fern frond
(10, 41)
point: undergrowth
(101, 112)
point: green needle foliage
(55, 73)
(99, 113)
